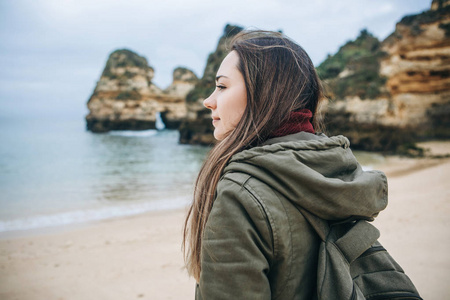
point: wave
(138, 133)
(367, 168)
(84, 216)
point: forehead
(228, 67)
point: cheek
(235, 117)
(233, 107)
(240, 104)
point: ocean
(53, 172)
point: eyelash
(220, 87)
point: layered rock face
(126, 99)
(419, 52)
(197, 127)
(408, 98)
(382, 95)
(418, 68)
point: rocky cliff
(126, 99)
(197, 127)
(385, 95)
(418, 68)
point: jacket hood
(316, 172)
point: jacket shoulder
(235, 193)
(272, 205)
(251, 193)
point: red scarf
(298, 121)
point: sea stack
(125, 97)
(197, 127)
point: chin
(218, 135)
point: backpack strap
(360, 237)
(357, 240)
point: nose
(209, 102)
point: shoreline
(140, 256)
(84, 217)
(66, 228)
(437, 152)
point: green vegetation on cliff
(428, 16)
(206, 85)
(124, 58)
(354, 69)
(414, 22)
(182, 73)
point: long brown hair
(280, 78)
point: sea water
(53, 172)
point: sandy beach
(140, 256)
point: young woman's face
(228, 101)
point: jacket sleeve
(237, 247)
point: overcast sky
(52, 52)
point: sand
(140, 257)
(136, 257)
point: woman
(244, 236)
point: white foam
(83, 216)
(138, 133)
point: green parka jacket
(257, 245)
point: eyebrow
(217, 77)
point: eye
(220, 87)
